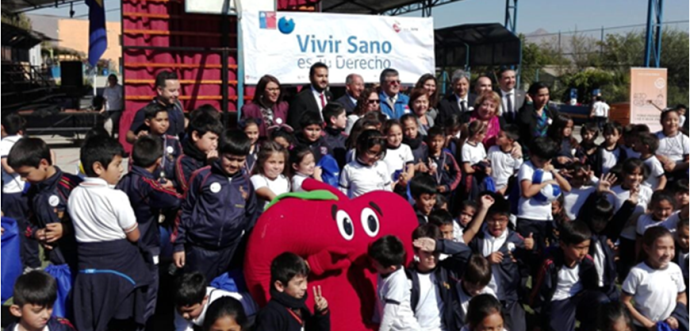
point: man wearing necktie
(461, 101)
(512, 99)
(312, 98)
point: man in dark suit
(354, 85)
(312, 98)
(511, 99)
(461, 101)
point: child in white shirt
(504, 161)
(270, 180)
(303, 166)
(647, 144)
(366, 173)
(393, 291)
(656, 285)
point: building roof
(488, 44)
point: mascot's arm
(329, 259)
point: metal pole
(659, 20)
(240, 69)
(648, 39)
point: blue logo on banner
(286, 26)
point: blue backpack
(331, 171)
(11, 261)
(63, 276)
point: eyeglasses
(371, 101)
(273, 89)
(393, 82)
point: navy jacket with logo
(217, 209)
(447, 273)
(509, 271)
(48, 204)
(148, 198)
(192, 160)
(334, 140)
(318, 147)
(171, 151)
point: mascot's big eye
(370, 222)
(345, 226)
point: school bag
(63, 276)
(11, 262)
(331, 171)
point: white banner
(286, 44)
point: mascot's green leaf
(322, 195)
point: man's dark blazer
(449, 106)
(304, 102)
(346, 101)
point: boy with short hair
(47, 198)
(423, 191)
(567, 286)
(105, 228)
(35, 293)
(149, 198)
(646, 145)
(393, 308)
(199, 149)
(219, 207)
(193, 297)
(443, 220)
(507, 253)
(504, 163)
(156, 119)
(610, 154)
(474, 282)
(681, 193)
(433, 298)
(534, 217)
(14, 199)
(335, 137)
(311, 134)
(442, 165)
(287, 311)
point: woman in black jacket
(537, 114)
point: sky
(550, 15)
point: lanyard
(295, 316)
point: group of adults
(531, 111)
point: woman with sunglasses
(368, 101)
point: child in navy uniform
(32, 302)
(442, 164)
(200, 147)
(47, 198)
(156, 118)
(506, 250)
(423, 191)
(335, 136)
(597, 212)
(412, 138)
(567, 287)
(14, 200)
(287, 311)
(110, 290)
(149, 198)
(433, 297)
(220, 206)
(311, 135)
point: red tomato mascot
(332, 233)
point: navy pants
(211, 263)
(514, 316)
(540, 230)
(15, 205)
(584, 307)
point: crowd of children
(575, 233)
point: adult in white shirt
(112, 105)
(512, 99)
(599, 112)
